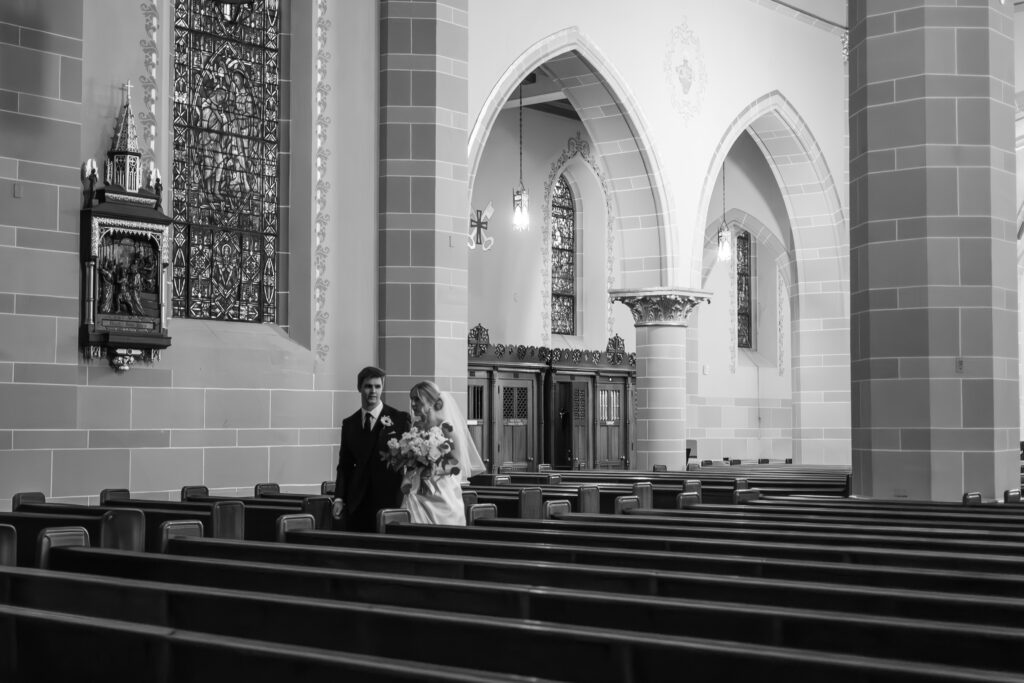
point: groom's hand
(337, 508)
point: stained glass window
(563, 259)
(744, 329)
(225, 173)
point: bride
(440, 501)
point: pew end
(502, 480)
(554, 508)
(480, 511)
(1011, 496)
(531, 502)
(320, 508)
(392, 516)
(107, 495)
(59, 537)
(624, 503)
(228, 520)
(123, 529)
(26, 498)
(972, 498)
(188, 492)
(263, 489)
(8, 546)
(544, 467)
(745, 495)
(644, 491)
(327, 488)
(177, 528)
(687, 499)
(693, 466)
(298, 522)
(661, 467)
(589, 498)
(469, 499)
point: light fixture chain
(520, 133)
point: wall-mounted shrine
(124, 251)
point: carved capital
(669, 306)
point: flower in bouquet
(422, 455)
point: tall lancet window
(563, 259)
(744, 319)
(225, 174)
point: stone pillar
(932, 246)
(660, 315)
(423, 205)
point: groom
(364, 483)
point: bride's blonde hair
(427, 392)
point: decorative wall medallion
(685, 73)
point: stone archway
(620, 141)
(820, 285)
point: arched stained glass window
(225, 174)
(744, 319)
(563, 259)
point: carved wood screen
(225, 173)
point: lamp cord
(520, 134)
(723, 195)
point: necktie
(367, 423)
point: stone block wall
(229, 404)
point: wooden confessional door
(478, 418)
(611, 432)
(516, 440)
(571, 425)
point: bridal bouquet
(422, 455)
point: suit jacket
(364, 482)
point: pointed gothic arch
(617, 129)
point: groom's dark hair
(369, 372)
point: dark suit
(364, 482)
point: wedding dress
(442, 504)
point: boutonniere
(386, 421)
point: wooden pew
(308, 621)
(745, 541)
(108, 529)
(263, 511)
(219, 520)
(651, 521)
(753, 514)
(446, 542)
(490, 592)
(223, 519)
(319, 548)
(8, 545)
(523, 502)
(56, 646)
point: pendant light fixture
(520, 197)
(724, 233)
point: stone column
(423, 205)
(660, 315)
(932, 245)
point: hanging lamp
(724, 233)
(520, 197)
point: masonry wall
(228, 405)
